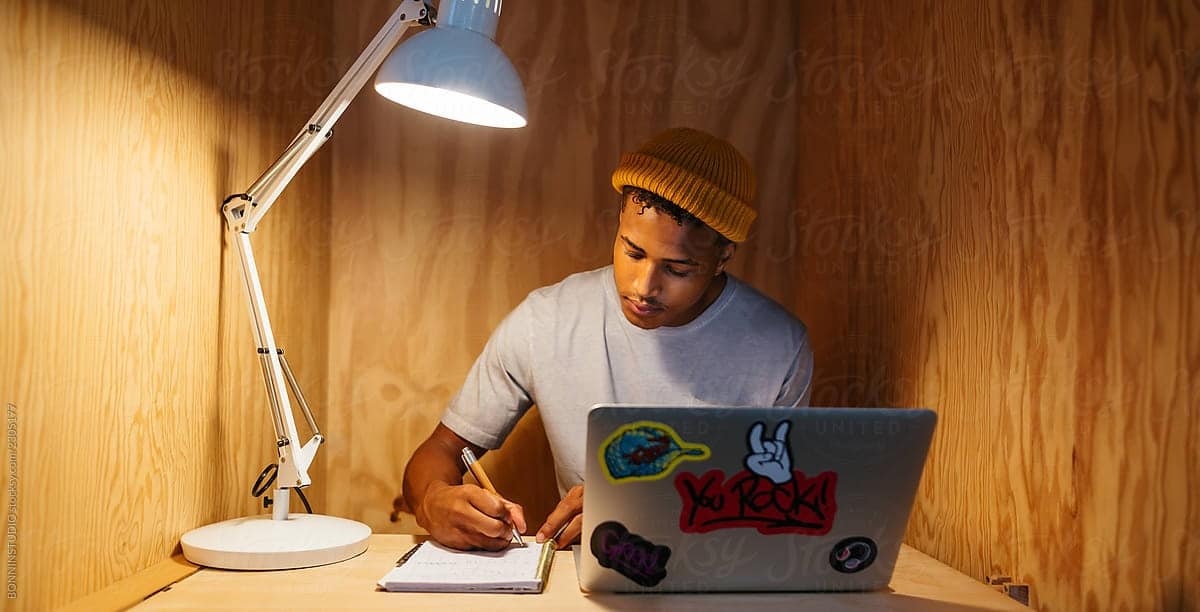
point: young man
(663, 325)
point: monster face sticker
(630, 554)
(646, 450)
(768, 495)
(853, 554)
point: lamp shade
(455, 70)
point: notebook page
(433, 567)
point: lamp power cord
(263, 483)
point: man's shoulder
(764, 315)
(576, 295)
(581, 285)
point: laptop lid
(746, 498)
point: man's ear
(726, 254)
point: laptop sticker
(770, 458)
(646, 450)
(768, 495)
(629, 554)
(853, 555)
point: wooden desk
(920, 583)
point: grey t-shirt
(569, 346)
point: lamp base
(260, 543)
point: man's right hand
(456, 515)
(467, 517)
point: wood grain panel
(1001, 223)
(985, 208)
(125, 346)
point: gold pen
(549, 547)
(558, 534)
(476, 469)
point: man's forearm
(433, 465)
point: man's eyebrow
(682, 262)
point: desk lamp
(454, 70)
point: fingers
(781, 432)
(568, 512)
(756, 438)
(781, 446)
(485, 502)
(505, 513)
(467, 517)
(776, 449)
(516, 515)
(571, 534)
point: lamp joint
(428, 14)
(235, 211)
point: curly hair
(648, 199)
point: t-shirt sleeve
(797, 387)
(497, 391)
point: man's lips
(643, 310)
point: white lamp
(456, 71)
(453, 71)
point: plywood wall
(125, 350)
(985, 208)
(1001, 217)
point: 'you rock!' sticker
(768, 495)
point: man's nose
(646, 283)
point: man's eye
(674, 272)
(633, 255)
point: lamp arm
(244, 211)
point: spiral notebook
(432, 568)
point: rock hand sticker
(768, 495)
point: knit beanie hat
(698, 172)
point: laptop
(748, 498)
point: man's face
(665, 272)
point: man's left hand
(569, 512)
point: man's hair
(648, 199)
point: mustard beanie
(698, 172)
